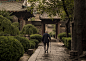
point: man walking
(45, 40)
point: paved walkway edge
(34, 55)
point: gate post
(56, 31)
(43, 28)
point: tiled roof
(12, 6)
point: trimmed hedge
(29, 29)
(24, 41)
(32, 44)
(63, 35)
(10, 49)
(36, 36)
(36, 41)
(67, 42)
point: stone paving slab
(57, 53)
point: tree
(6, 14)
(29, 29)
(63, 7)
(7, 27)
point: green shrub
(67, 42)
(35, 40)
(63, 38)
(24, 41)
(69, 34)
(36, 36)
(4, 34)
(63, 35)
(32, 44)
(7, 27)
(52, 34)
(10, 49)
(29, 29)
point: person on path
(45, 40)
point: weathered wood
(50, 21)
(43, 29)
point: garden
(13, 44)
(65, 40)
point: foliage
(63, 35)
(63, 7)
(32, 44)
(10, 49)
(67, 42)
(35, 40)
(6, 26)
(16, 24)
(31, 19)
(29, 29)
(52, 34)
(36, 36)
(24, 41)
(6, 14)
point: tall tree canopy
(64, 8)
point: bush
(36, 42)
(63, 35)
(24, 41)
(10, 49)
(54, 34)
(29, 29)
(67, 42)
(7, 27)
(36, 36)
(32, 44)
(50, 34)
(4, 34)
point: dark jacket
(45, 38)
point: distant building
(21, 15)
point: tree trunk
(78, 22)
(68, 21)
(67, 27)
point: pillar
(43, 28)
(21, 23)
(56, 31)
(73, 42)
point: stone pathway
(57, 53)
